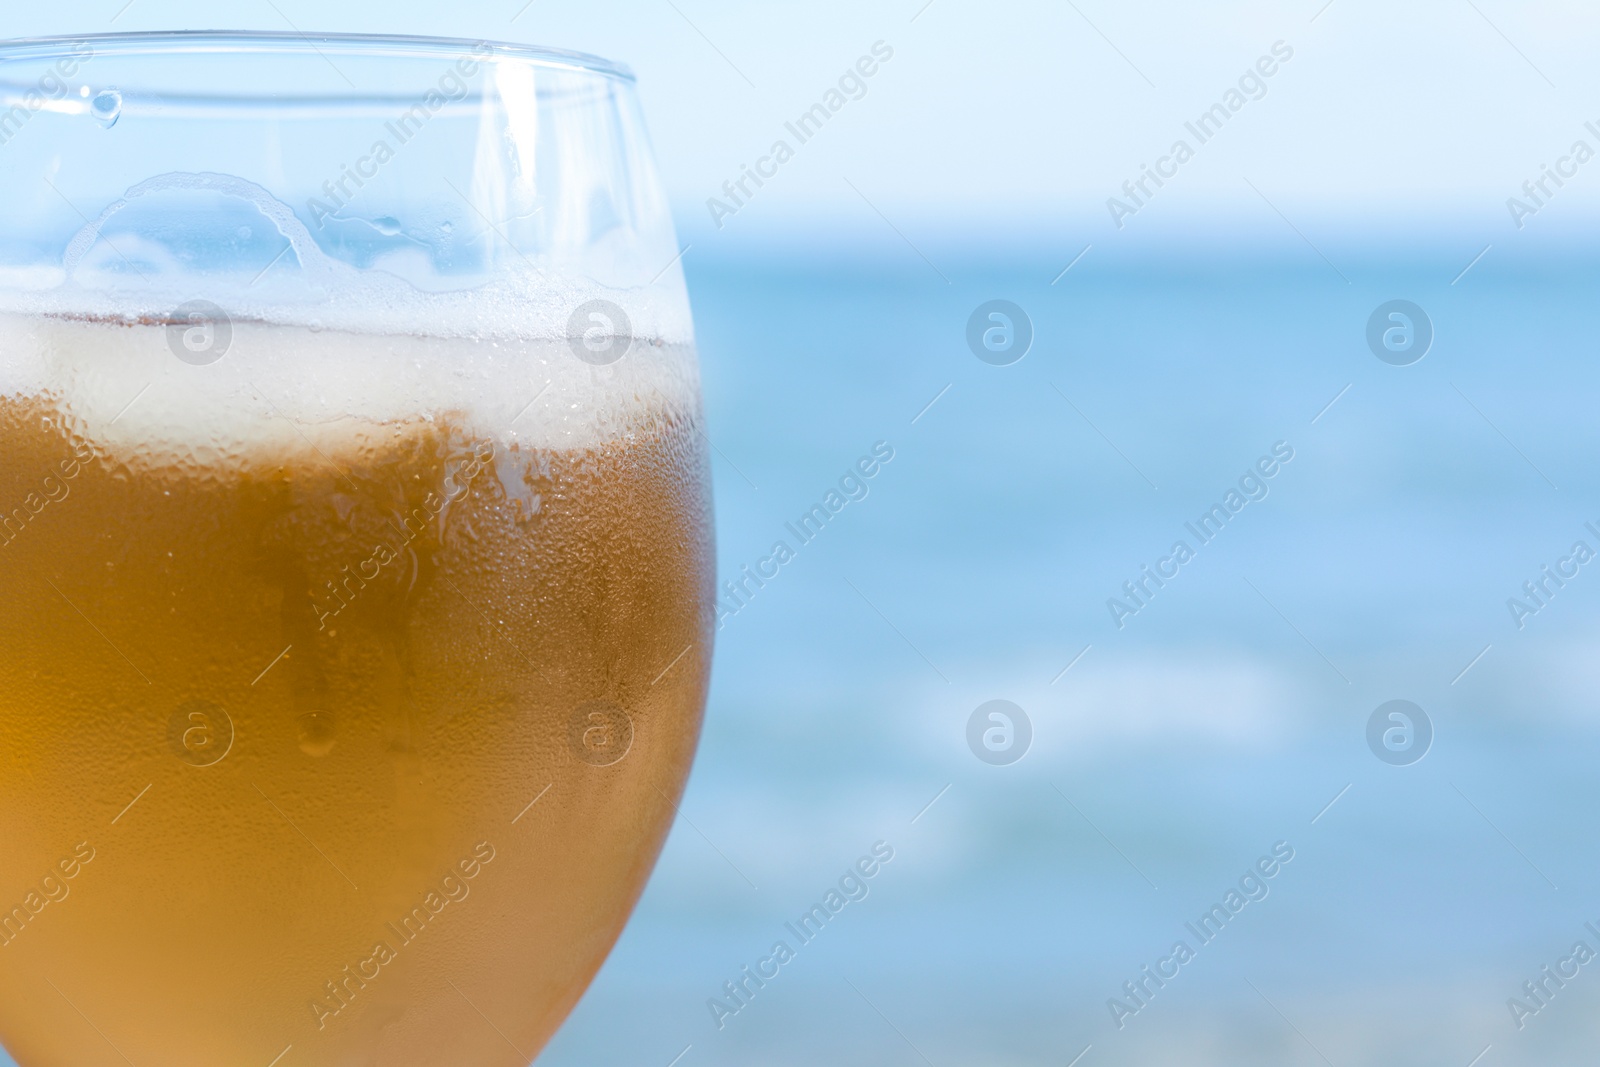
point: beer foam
(280, 389)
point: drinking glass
(355, 545)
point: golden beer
(340, 732)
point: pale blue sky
(1027, 115)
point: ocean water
(1227, 717)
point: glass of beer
(355, 545)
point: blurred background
(1165, 336)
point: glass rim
(158, 43)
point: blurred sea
(1220, 720)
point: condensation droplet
(317, 733)
(387, 226)
(106, 107)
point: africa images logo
(999, 732)
(999, 333)
(1399, 333)
(199, 333)
(1399, 733)
(599, 333)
